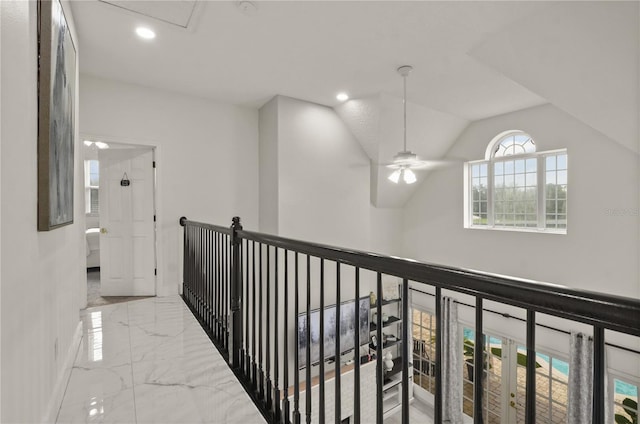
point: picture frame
(57, 88)
(390, 289)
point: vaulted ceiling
(472, 60)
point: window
(517, 187)
(625, 401)
(91, 186)
(424, 349)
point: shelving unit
(392, 388)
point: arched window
(511, 143)
(517, 187)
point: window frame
(88, 187)
(541, 171)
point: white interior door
(127, 231)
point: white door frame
(157, 202)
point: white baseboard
(51, 413)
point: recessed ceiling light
(102, 145)
(342, 97)
(145, 33)
(88, 142)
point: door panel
(127, 253)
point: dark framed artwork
(56, 116)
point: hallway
(149, 361)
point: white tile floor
(149, 361)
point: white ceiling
(471, 59)
(310, 50)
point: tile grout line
(133, 383)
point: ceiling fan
(405, 161)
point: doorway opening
(120, 187)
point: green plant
(630, 406)
(468, 347)
(469, 354)
(522, 358)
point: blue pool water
(621, 387)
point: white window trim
(541, 192)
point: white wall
(269, 200)
(207, 157)
(601, 248)
(321, 183)
(42, 272)
(599, 251)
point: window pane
(562, 206)
(508, 167)
(532, 165)
(499, 168)
(519, 165)
(562, 161)
(562, 177)
(551, 163)
(551, 177)
(94, 201)
(475, 171)
(483, 170)
(561, 192)
(531, 180)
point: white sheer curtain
(580, 395)
(451, 352)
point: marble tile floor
(149, 361)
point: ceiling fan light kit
(405, 160)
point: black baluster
(478, 364)
(321, 373)
(267, 360)
(254, 374)
(380, 341)
(338, 351)
(308, 352)
(276, 358)
(200, 279)
(225, 305)
(208, 282)
(438, 395)
(356, 369)
(530, 405)
(219, 288)
(247, 297)
(599, 366)
(285, 362)
(261, 324)
(296, 360)
(405, 346)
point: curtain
(451, 352)
(580, 394)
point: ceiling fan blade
(422, 164)
(434, 164)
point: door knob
(103, 230)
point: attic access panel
(179, 13)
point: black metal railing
(240, 285)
